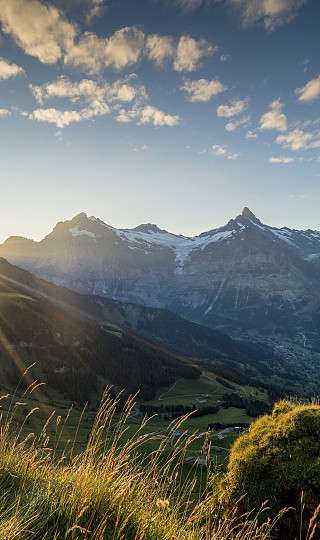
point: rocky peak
(80, 219)
(247, 214)
(149, 228)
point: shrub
(277, 461)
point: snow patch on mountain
(76, 232)
(283, 235)
(182, 246)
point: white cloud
(223, 151)
(152, 115)
(8, 70)
(53, 116)
(202, 89)
(124, 47)
(4, 113)
(284, 160)
(272, 13)
(39, 29)
(62, 119)
(235, 107)
(160, 48)
(124, 116)
(298, 139)
(148, 115)
(99, 99)
(274, 119)
(190, 52)
(233, 125)
(309, 92)
(186, 53)
(92, 98)
(42, 31)
(93, 53)
(91, 91)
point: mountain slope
(245, 276)
(247, 279)
(233, 359)
(73, 354)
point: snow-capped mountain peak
(229, 273)
(149, 228)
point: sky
(174, 112)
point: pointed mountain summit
(246, 213)
(149, 228)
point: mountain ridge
(246, 279)
(81, 226)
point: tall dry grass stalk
(113, 489)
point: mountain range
(252, 281)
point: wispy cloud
(274, 119)
(282, 160)
(190, 53)
(272, 13)
(298, 139)
(233, 125)
(8, 70)
(186, 53)
(148, 115)
(139, 148)
(127, 46)
(94, 99)
(119, 91)
(96, 8)
(44, 32)
(224, 152)
(234, 108)
(39, 29)
(160, 48)
(202, 90)
(309, 92)
(287, 160)
(61, 119)
(92, 53)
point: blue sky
(174, 112)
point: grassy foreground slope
(114, 490)
(110, 490)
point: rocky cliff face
(245, 277)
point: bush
(277, 461)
